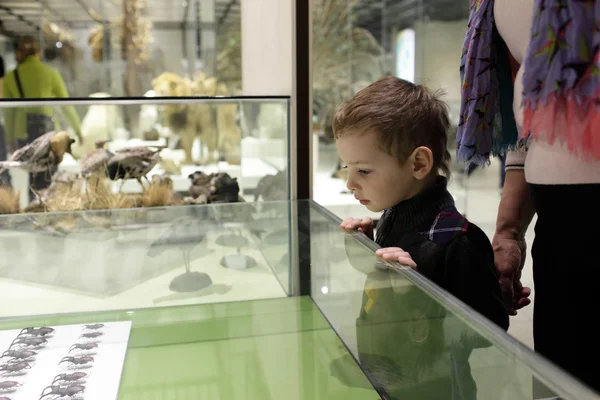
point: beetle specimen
(14, 367)
(43, 331)
(9, 385)
(29, 341)
(91, 335)
(69, 391)
(83, 346)
(69, 378)
(83, 360)
(94, 327)
(20, 354)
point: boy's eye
(364, 172)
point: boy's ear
(422, 162)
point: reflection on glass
(409, 343)
(224, 330)
(135, 258)
(356, 43)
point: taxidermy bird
(42, 154)
(133, 163)
(95, 161)
(184, 234)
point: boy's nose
(350, 184)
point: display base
(238, 261)
(190, 282)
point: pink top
(544, 163)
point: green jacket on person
(38, 81)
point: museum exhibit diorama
(179, 152)
(185, 151)
(208, 302)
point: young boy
(392, 136)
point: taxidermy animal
(42, 154)
(215, 188)
(133, 163)
(226, 189)
(185, 233)
(272, 187)
(95, 161)
(214, 124)
(230, 134)
(200, 187)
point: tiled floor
(478, 196)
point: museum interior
(171, 191)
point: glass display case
(121, 46)
(239, 301)
(176, 150)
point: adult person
(33, 79)
(552, 167)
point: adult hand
(396, 254)
(365, 225)
(509, 259)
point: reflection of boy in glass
(392, 137)
(32, 79)
(408, 346)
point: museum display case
(177, 150)
(238, 301)
(119, 46)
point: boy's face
(377, 179)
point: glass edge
(81, 101)
(545, 371)
(117, 211)
(78, 314)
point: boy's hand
(365, 226)
(396, 254)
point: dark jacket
(447, 248)
(408, 343)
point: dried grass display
(9, 201)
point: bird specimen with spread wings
(42, 154)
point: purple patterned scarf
(561, 84)
(561, 81)
(487, 125)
